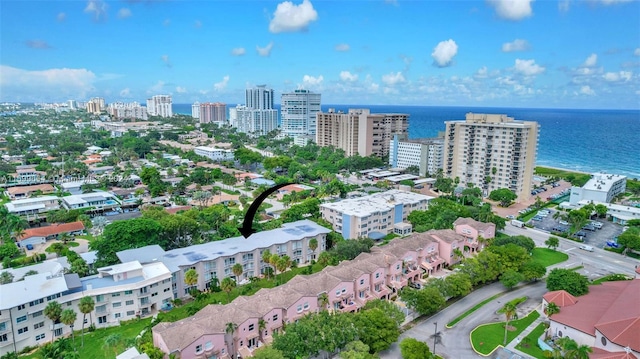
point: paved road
(454, 343)
(596, 263)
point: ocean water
(581, 140)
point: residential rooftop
(382, 202)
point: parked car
(30, 247)
(537, 218)
(589, 227)
(543, 214)
(564, 223)
(597, 224)
(580, 235)
(613, 244)
(415, 285)
(511, 216)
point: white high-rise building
(257, 117)
(491, 151)
(425, 154)
(160, 105)
(195, 110)
(298, 111)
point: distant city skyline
(493, 53)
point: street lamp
(435, 336)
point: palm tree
(262, 324)
(53, 312)
(65, 237)
(582, 352)
(227, 286)
(86, 306)
(323, 300)
(68, 317)
(509, 311)
(274, 262)
(230, 331)
(457, 254)
(266, 257)
(191, 278)
(552, 308)
(313, 245)
(237, 271)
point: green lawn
(94, 342)
(487, 337)
(473, 309)
(531, 343)
(547, 257)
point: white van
(586, 248)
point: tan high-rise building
(491, 151)
(359, 131)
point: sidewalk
(511, 346)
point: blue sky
(495, 53)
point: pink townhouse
(449, 243)
(472, 230)
(372, 263)
(409, 261)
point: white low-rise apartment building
(213, 261)
(120, 292)
(602, 187)
(380, 213)
(34, 205)
(215, 154)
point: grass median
(473, 309)
(487, 337)
(548, 257)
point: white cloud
(165, 59)
(219, 86)
(310, 81)
(392, 79)
(291, 18)
(157, 88)
(347, 76)
(611, 2)
(587, 90)
(50, 84)
(238, 51)
(126, 93)
(528, 67)
(512, 9)
(637, 52)
(591, 61)
(563, 6)
(98, 8)
(482, 73)
(444, 52)
(61, 17)
(515, 45)
(124, 13)
(180, 89)
(265, 51)
(617, 76)
(343, 47)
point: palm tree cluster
(567, 348)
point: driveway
(454, 343)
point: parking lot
(597, 238)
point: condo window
(198, 348)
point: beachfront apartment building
(255, 122)
(426, 154)
(160, 105)
(213, 113)
(359, 131)
(213, 261)
(491, 151)
(195, 110)
(298, 113)
(131, 110)
(215, 154)
(346, 287)
(602, 187)
(120, 292)
(375, 215)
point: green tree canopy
(411, 348)
(568, 280)
(503, 195)
(425, 301)
(121, 235)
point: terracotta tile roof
(603, 354)
(52, 230)
(45, 188)
(560, 297)
(446, 235)
(480, 226)
(611, 308)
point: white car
(564, 223)
(597, 224)
(542, 214)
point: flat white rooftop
(402, 178)
(602, 182)
(378, 202)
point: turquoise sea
(582, 140)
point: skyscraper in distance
(298, 111)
